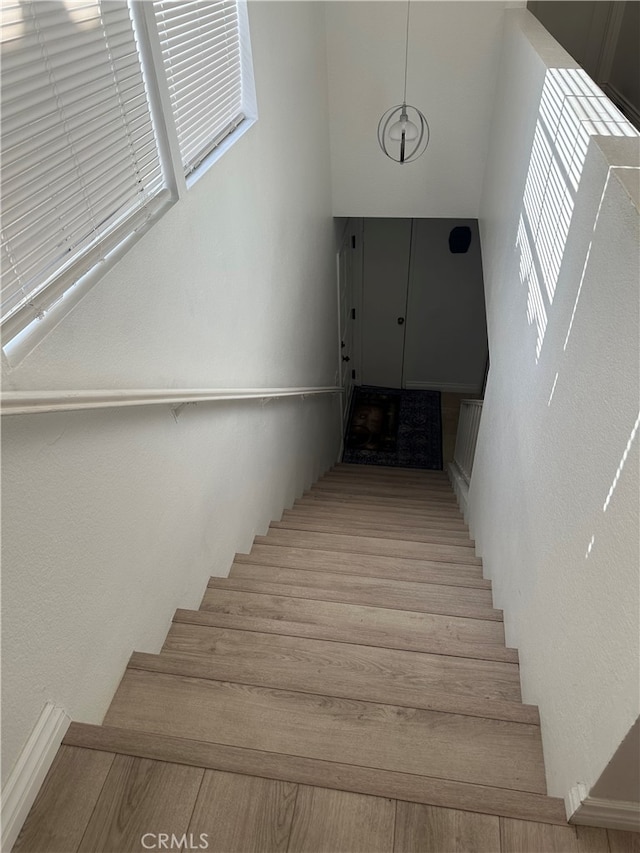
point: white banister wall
(113, 518)
(553, 502)
(467, 436)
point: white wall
(453, 53)
(554, 494)
(112, 520)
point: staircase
(347, 685)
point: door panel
(345, 284)
(446, 333)
(386, 268)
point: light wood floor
(346, 688)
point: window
(200, 45)
(107, 107)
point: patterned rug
(392, 427)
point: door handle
(346, 358)
(400, 320)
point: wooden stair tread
(356, 589)
(346, 509)
(402, 509)
(373, 626)
(433, 682)
(416, 676)
(368, 545)
(337, 669)
(447, 504)
(411, 492)
(389, 471)
(406, 534)
(371, 486)
(367, 734)
(400, 568)
(368, 517)
(318, 772)
(433, 479)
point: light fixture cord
(406, 55)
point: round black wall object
(459, 239)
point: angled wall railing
(36, 402)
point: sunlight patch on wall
(572, 109)
(590, 547)
(553, 390)
(622, 463)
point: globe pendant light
(403, 132)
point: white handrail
(35, 402)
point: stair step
(355, 589)
(378, 547)
(400, 568)
(365, 734)
(321, 773)
(433, 682)
(387, 497)
(389, 471)
(371, 515)
(273, 676)
(435, 479)
(414, 508)
(407, 534)
(457, 636)
(412, 492)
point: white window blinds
(80, 167)
(200, 43)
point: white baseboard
(443, 386)
(460, 487)
(609, 814)
(32, 766)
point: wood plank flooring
(345, 688)
(204, 809)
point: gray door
(446, 332)
(423, 318)
(346, 302)
(384, 300)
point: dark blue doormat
(392, 427)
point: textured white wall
(560, 419)
(112, 520)
(453, 54)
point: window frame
(23, 337)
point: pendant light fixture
(403, 132)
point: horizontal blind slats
(30, 171)
(20, 314)
(78, 234)
(50, 126)
(68, 207)
(190, 67)
(26, 209)
(181, 57)
(212, 108)
(70, 95)
(197, 25)
(80, 156)
(200, 46)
